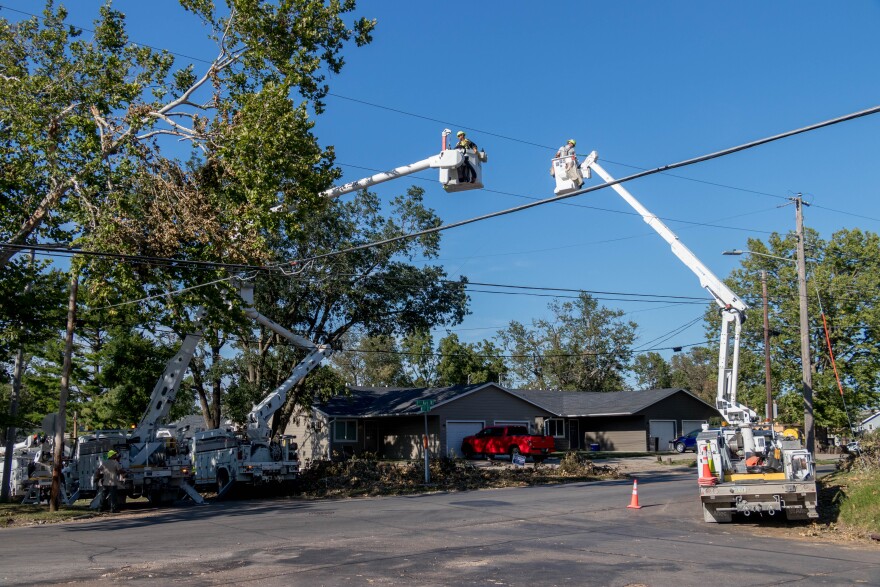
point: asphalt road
(576, 534)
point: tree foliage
(843, 277)
(584, 347)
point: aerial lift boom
(732, 308)
(449, 161)
(743, 469)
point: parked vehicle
(507, 440)
(686, 442)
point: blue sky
(644, 83)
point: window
(345, 431)
(555, 428)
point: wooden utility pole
(61, 420)
(767, 382)
(806, 364)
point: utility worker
(567, 149)
(571, 163)
(108, 476)
(467, 173)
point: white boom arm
(258, 420)
(447, 159)
(166, 388)
(732, 307)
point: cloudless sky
(644, 83)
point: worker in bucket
(571, 163)
(567, 149)
(108, 477)
(467, 173)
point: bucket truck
(30, 463)
(743, 467)
(223, 458)
(157, 464)
(454, 165)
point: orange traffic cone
(707, 479)
(634, 504)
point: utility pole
(13, 409)
(61, 420)
(806, 364)
(767, 382)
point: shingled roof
(401, 401)
(389, 401)
(573, 404)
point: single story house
(870, 423)
(391, 423)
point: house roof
(573, 404)
(401, 401)
(390, 401)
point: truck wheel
(680, 447)
(514, 452)
(223, 482)
(468, 455)
(539, 459)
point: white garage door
(456, 431)
(664, 430)
(691, 425)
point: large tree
(844, 275)
(84, 120)
(376, 289)
(584, 347)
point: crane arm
(166, 387)
(732, 307)
(258, 420)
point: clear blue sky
(644, 83)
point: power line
(687, 162)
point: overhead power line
(685, 163)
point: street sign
(518, 460)
(425, 404)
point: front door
(371, 437)
(574, 434)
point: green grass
(16, 514)
(858, 502)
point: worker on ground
(467, 173)
(108, 477)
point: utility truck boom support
(223, 459)
(743, 468)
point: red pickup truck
(507, 440)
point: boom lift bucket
(454, 179)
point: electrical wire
(687, 162)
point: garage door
(456, 431)
(664, 430)
(691, 425)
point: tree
(844, 273)
(697, 372)
(652, 371)
(463, 363)
(84, 121)
(375, 290)
(90, 129)
(585, 347)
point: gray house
(390, 423)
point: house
(870, 423)
(390, 422)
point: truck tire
(224, 484)
(712, 515)
(514, 452)
(680, 447)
